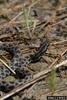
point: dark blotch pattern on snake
(18, 65)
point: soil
(48, 20)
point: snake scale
(18, 64)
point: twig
(36, 78)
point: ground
(28, 23)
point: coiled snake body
(17, 63)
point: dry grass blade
(58, 58)
(58, 43)
(7, 66)
(10, 22)
(16, 17)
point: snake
(17, 64)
